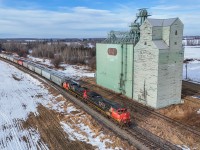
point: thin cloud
(89, 10)
(43, 23)
(85, 22)
(164, 7)
(185, 13)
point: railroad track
(192, 92)
(190, 88)
(145, 111)
(137, 136)
(193, 101)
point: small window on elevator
(145, 43)
(176, 32)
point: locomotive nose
(126, 117)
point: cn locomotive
(109, 108)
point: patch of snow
(71, 109)
(198, 97)
(192, 52)
(76, 72)
(58, 107)
(184, 147)
(72, 43)
(90, 45)
(40, 60)
(198, 112)
(193, 67)
(193, 71)
(87, 136)
(71, 71)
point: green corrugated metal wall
(110, 67)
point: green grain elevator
(145, 63)
(115, 58)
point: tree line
(71, 53)
(191, 42)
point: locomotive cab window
(120, 111)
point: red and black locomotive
(111, 109)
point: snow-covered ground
(42, 61)
(192, 52)
(19, 96)
(193, 71)
(198, 112)
(72, 71)
(193, 67)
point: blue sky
(88, 18)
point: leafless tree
(72, 53)
(56, 61)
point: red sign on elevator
(112, 51)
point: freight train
(111, 109)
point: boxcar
(38, 70)
(15, 60)
(3, 55)
(57, 78)
(8, 57)
(25, 64)
(31, 66)
(11, 58)
(46, 73)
